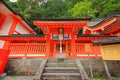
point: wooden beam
(20, 20)
(17, 32)
(12, 29)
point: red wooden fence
(81, 51)
(39, 50)
(28, 50)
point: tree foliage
(111, 6)
(65, 8)
(36, 9)
(83, 9)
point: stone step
(61, 65)
(61, 70)
(61, 76)
(57, 61)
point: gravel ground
(18, 78)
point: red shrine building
(60, 36)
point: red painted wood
(20, 20)
(51, 27)
(3, 59)
(114, 30)
(27, 48)
(2, 19)
(82, 52)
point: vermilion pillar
(48, 45)
(72, 46)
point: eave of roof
(117, 23)
(22, 38)
(65, 19)
(93, 35)
(21, 35)
(16, 13)
(105, 19)
(112, 40)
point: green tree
(106, 7)
(111, 6)
(83, 9)
(38, 30)
(21, 6)
(55, 9)
(36, 9)
(99, 6)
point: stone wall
(28, 67)
(98, 67)
(25, 67)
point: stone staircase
(53, 69)
(61, 70)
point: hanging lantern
(60, 30)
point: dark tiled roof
(107, 41)
(94, 22)
(77, 19)
(22, 35)
(93, 35)
(105, 19)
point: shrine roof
(94, 22)
(65, 19)
(111, 40)
(114, 25)
(85, 38)
(93, 35)
(99, 22)
(22, 35)
(16, 13)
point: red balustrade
(81, 51)
(27, 50)
(39, 50)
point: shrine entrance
(55, 48)
(63, 47)
(60, 35)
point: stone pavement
(18, 78)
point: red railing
(27, 50)
(39, 50)
(80, 48)
(81, 51)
